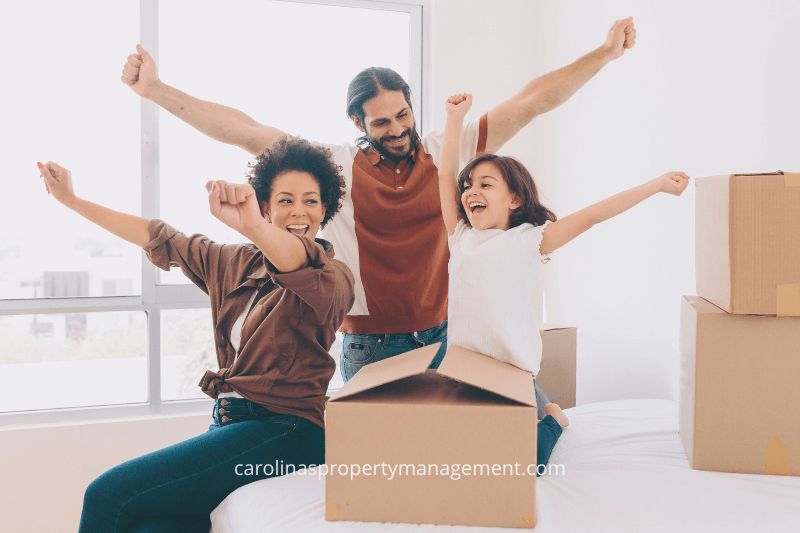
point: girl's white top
(495, 300)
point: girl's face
(295, 203)
(486, 199)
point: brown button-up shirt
(391, 234)
(283, 362)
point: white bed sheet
(626, 471)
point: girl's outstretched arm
(58, 181)
(559, 233)
(457, 107)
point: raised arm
(58, 181)
(553, 89)
(559, 233)
(236, 205)
(219, 122)
(457, 107)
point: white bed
(625, 471)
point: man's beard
(377, 144)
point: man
(390, 230)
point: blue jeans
(547, 434)
(361, 349)
(176, 488)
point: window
(85, 319)
(286, 64)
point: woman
(276, 305)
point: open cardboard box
(472, 413)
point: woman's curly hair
(294, 153)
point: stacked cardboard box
(448, 446)
(740, 340)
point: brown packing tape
(332, 511)
(528, 521)
(792, 179)
(788, 296)
(778, 457)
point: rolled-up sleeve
(324, 284)
(196, 255)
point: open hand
(139, 72)
(57, 181)
(621, 37)
(458, 105)
(235, 204)
(673, 183)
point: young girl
(276, 305)
(500, 235)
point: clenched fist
(139, 72)
(235, 204)
(673, 183)
(458, 104)
(621, 37)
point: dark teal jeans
(175, 489)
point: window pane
(72, 360)
(285, 64)
(66, 103)
(187, 350)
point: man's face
(389, 124)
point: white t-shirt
(236, 339)
(495, 299)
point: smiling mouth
(476, 207)
(298, 229)
(396, 143)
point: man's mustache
(388, 138)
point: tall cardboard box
(739, 394)
(472, 410)
(559, 357)
(748, 243)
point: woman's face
(486, 199)
(295, 203)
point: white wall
(45, 470)
(710, 88)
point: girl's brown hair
(521, 183)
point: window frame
(156, 297)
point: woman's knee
(108, 489)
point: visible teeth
(475, 205)
(298, 226)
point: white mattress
(625, 470)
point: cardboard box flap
(488, 374)
(791, 179)
(703, 306)
(387, 371)
(776, 173)
(553, 327)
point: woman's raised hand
(57, 181)
(235, 204)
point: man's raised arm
(553, 89)
(219, 122)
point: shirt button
(397, 171)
